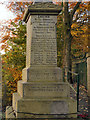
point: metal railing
(78, 83)
(77, 92)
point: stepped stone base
(42, 92)
(43, 89)
(42, 108)
(9, 112)
(42, 73)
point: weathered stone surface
(42, 0)
(88, 73)
(43, 89)
(88, 81)
(42, 8)
(41, 41)
(44, 106)
(45, 74)
(42, 93)
(16, 97)
(9, 112)
(44, 5)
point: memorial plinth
(41, 92)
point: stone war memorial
(41, 93)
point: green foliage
(14, 59)
(15, 45)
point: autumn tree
(68, 21)
(14, 45)
(14, 61)
(80, 31)
(14, 40)
(72, 34)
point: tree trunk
(67, 42)
(67, 22)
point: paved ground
(83, 99)
(0, 101)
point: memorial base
(42, 100)
(42, 108)
(42, 92)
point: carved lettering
(46, 88)
(43, 40)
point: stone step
(43, 89)
(42, 73)
(42, 106)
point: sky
(5, 14)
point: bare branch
(74, 9)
